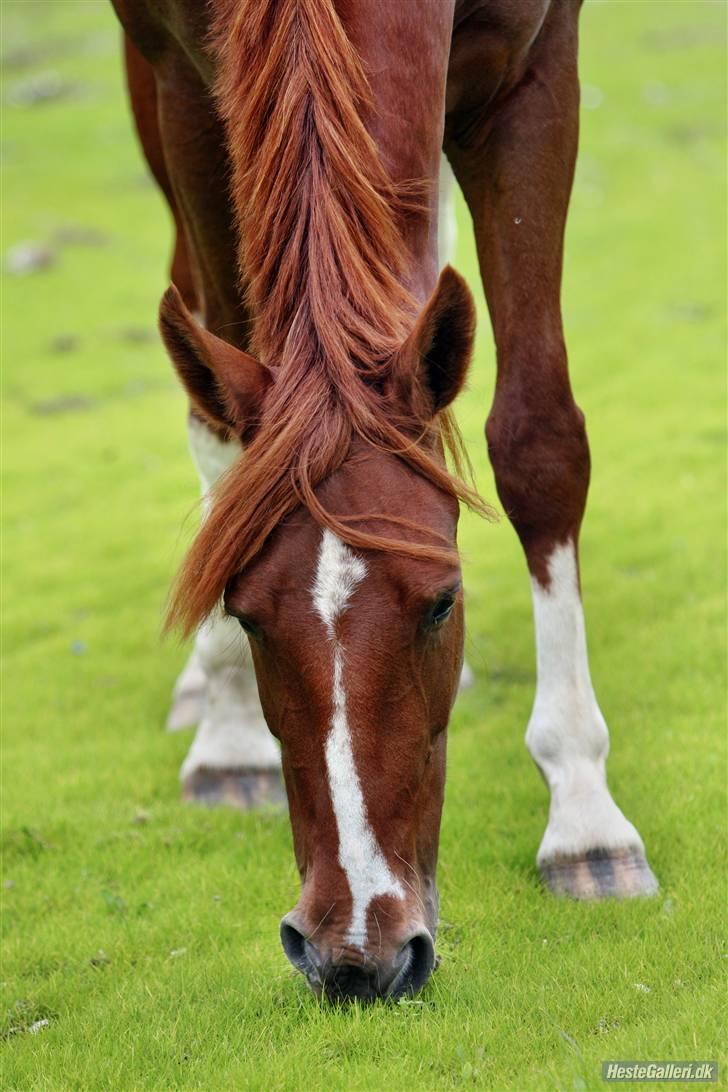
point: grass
(145, 932)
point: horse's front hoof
(600, 874)
(237, 788)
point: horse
(322, 337)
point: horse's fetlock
(578, 736)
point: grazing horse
(321, 343)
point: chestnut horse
(298, 144)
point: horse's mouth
(367, 979)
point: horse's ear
(226, 386)
(442, 340)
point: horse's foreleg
(212, 456)
(233, 758)
(515, 165)
(144, 101)
(190, 692)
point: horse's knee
(539, 451)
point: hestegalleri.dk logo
(660, 1071)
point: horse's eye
(441, 611)
(250, 628)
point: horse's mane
(321, 261)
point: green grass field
(145, 932)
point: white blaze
(338, 573)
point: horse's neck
(406, 60)
(300, 125)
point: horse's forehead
(372, 488)
(374, 483)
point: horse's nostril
(418, 959)
(295, 946)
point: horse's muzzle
(346, 974)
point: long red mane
(321, 261)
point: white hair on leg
(232, 732)
(447, 226)
(567, 735)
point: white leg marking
(447, 233)
(232, 732)
(338, 573)
(467, 677)
(211, 455)
(189, 696)
(567, 735)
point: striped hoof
(237, 788)
(600, 874)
